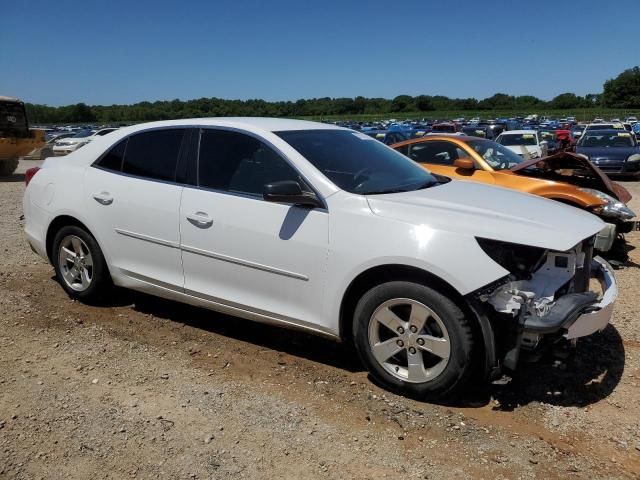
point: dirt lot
(146, 388)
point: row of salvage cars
(434, 281)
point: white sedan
(67, 145)
(526, 143)
(324, 229)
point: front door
(242, 251)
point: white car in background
(324, 229)
(526, 143)
(67, 145)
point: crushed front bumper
(577, 315)
(532, 319)
(597, 316)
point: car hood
(572, 168)
(611, 153)
(471, 208)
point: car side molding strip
(245, 263)
(148, 238)
(217, 256)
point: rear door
(134, 202)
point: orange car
(564, 177)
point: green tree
(624, 90)
(402, 103)
(566, 100)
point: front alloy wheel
(413, 339)
(409, 340)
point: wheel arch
(397, 272)
(56, 224)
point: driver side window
(238, 163)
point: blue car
(615, 152)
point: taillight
(29, 174)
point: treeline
(216, 107)
(621, 92)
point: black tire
(7, 167)
(460, 337)
(101, 285)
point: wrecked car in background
(564, 177)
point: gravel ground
(146, 388)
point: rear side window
(154, 154)
(235, 162)
(113, 158)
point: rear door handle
(200, 219)
(103, 198)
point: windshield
(607, 140)
(548, 136)
(13, 120)
(444, 128)
(511, 139)
(606, 126)
(498, 157)
(83, 134)
(357, 163)
(474, 132)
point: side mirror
(464, 164)
(289, 191)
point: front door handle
(103, 198)
(200, 219)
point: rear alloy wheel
(75, 263)
(413, 339)
(79, 264)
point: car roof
(250, 123)
(440, 136)
(10, 99)
(518, 132)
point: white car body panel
(275, 258)
(275, 262)
(145, 244)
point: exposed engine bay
(547, 295)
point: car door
(439, 155)
(134, 204)
(241, 251)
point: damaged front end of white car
(548, 300)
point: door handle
(103, 198)
(200, 220)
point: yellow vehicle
(16, 140)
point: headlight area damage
(546, 300)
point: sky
(119, 52)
